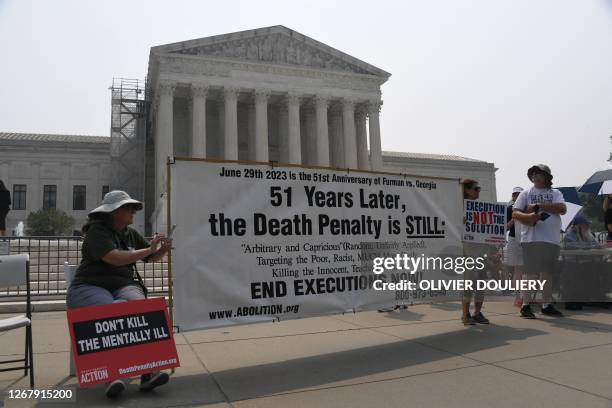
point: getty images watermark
(459, 265)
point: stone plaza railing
(47, 257)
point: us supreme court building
(273, 94)
(267, 95)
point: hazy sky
(513, 82)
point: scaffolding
(128, 133)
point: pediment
(274, 45)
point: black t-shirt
(509, 217)
(100, 239)
(608, 221)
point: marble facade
(264, 95)
(63, 161)
(269, 94)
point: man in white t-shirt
(539, 210)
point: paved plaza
(421, 356)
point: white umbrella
(606, 188)
(572, 211)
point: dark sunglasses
(131, 208)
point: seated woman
(579, 236)
(107, 272)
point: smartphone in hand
(544, 216)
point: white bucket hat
(115, 199)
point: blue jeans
(84, 295)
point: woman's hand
(165, 245)
(156, 242)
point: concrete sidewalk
(422, 356)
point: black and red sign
(121, 340)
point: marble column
(198, 132)
(375, 148)
(283, 133)
(336, 136)
(311, 134)
(322, 157)
(294, 145)
(350, 140)
(362, 138)
(164, 143)
(165, 118)
(221, 128)
(261, 124)
(251, 130)
(230, 145)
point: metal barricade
(47, 257)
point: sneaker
(468, 320)
(551, 311)
(388, 309)
(479, 318)
(526, 312)
(114, 388)
(150, 381)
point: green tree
(49, 222)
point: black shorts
(540, 257)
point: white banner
(255, 243)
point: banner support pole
(168, 227)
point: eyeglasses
(130, 208)
(476, 188)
